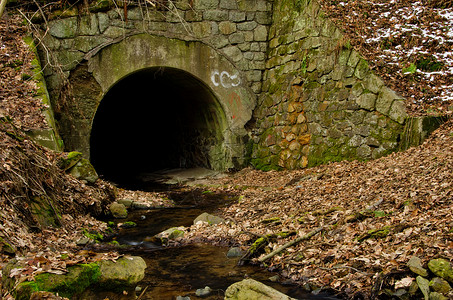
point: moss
(274, 220)
(375, 233)
(77, 279)
(25, 289)
(129, 224)
(93, 235)
(258, 245)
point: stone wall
(238, 29)
(320, 101)
(221, 42)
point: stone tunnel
(154, 119)
(220, 84)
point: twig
(293, 242)
(143, 292)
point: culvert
(157, 118)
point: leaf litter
(382, 212)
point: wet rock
(252, 289)
(203, 292)
(183, 298)
(142, 205)
(440, 285)
(126, 202)
(128, 224)
(274, 278)
(234, 252)
(126, 271)
(118, 210)
(210, 219)
(423, 284)
(415, 265)
(441, 268)
(84, 170)
(172, 233)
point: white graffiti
(225, 79)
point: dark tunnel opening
(154, 119)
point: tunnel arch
(224, 103)
(157, 118)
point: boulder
(415, 265)
(125, 272)
(234, 252)
(249, 289)
(172, 233)
(441, 268)
(84, 170)
(210, 219)
(118, 210)
(423, 284)
(126, 202)
(437, 296)
(440, 285)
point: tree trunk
(2, 7)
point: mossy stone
(442, 268)
(77, 279)
(440, 285)
(84, 170)
(125, 272)
(118, 210)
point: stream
(180, 271)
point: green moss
(274, 220)
(375, 233)
(93, 235)
(129, 224)
(257, 245)
(429, 64)
(77, 279)
(25, 289)
(410, 70)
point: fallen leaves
(402, 206)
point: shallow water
(181, 271)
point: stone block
(103, 22)
(64, 28)
(233, 53)
(201, 29)
(362, 69)
(215, 15)
(205, 4)
(237, 38)
(227, 27)
(385, 99)
(114, 32)
(367, 101)
(193, 16)
(354, 59)
(237, 16)
(263, 18)
(247, 26)
(260, 33)
(398, 111)
(87, 43)
(373, 83)
(364, 151)
(228, 4)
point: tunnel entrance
(154, 119)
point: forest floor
(406, 195)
